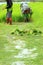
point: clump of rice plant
(26, 32)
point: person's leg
(10, 17)
(26, 17)
(10, 21)
(7, 17)
(7, 20)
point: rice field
(21, 43)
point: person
(9, 11)
(26, 10)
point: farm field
(22, 42)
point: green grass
(32, 41)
